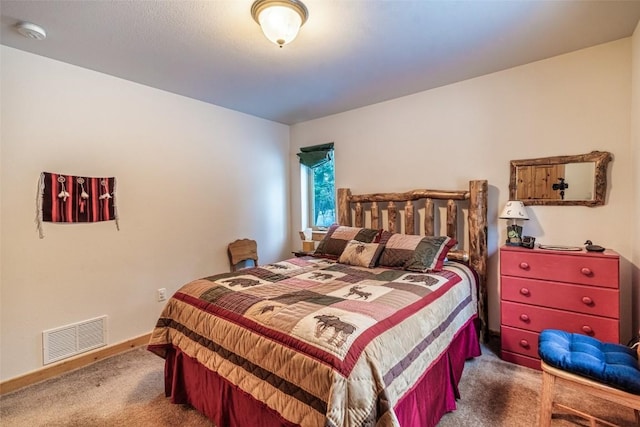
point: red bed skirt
(188, 382)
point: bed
(373, 330)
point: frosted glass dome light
(280, 20)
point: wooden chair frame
(351, 211)
(242, 250)
(552, 376)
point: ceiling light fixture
(31, 31)
(280, 19)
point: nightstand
(575, 291)
(302, 253)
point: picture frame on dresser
(575, 291)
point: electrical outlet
(162, 294)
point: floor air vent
(69, 340)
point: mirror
(562, 180)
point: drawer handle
(587, 301)
(524, 266)
(524, 343)
(524, 291)
(524, 317)
(586, 271)
(587, 330)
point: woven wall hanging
(68, 198)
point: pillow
(415, 253)
(338, 236)
(361, 254)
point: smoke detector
(31, 31)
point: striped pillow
(415, 253)
(338, 236)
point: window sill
(316, 235)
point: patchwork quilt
(321, 343)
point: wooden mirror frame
(601, 160)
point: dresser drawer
(519, 341)
(579, 298)
(536, 319)
(529, 362)
(582, 269)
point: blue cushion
(612, 364)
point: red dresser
(545, 289)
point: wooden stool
(552, 376)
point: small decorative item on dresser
(560, 248)
(528, 242)
(514, 210)
(593, 248)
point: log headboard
(352, 211)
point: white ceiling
(350, 53)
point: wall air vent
(66, 341)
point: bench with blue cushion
(612, 364)
(606, 370)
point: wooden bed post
(478, 247)
(344, 210)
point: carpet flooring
(127, 390)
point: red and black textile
(68, 198)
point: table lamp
(514, 210)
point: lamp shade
(280, 20)
(514, 209)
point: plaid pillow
(338, 236)
(415, 253)
(361, 254)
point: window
(324, 195)
(318, 185)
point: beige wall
(441, 138)
(191, 178)
(635, 144)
